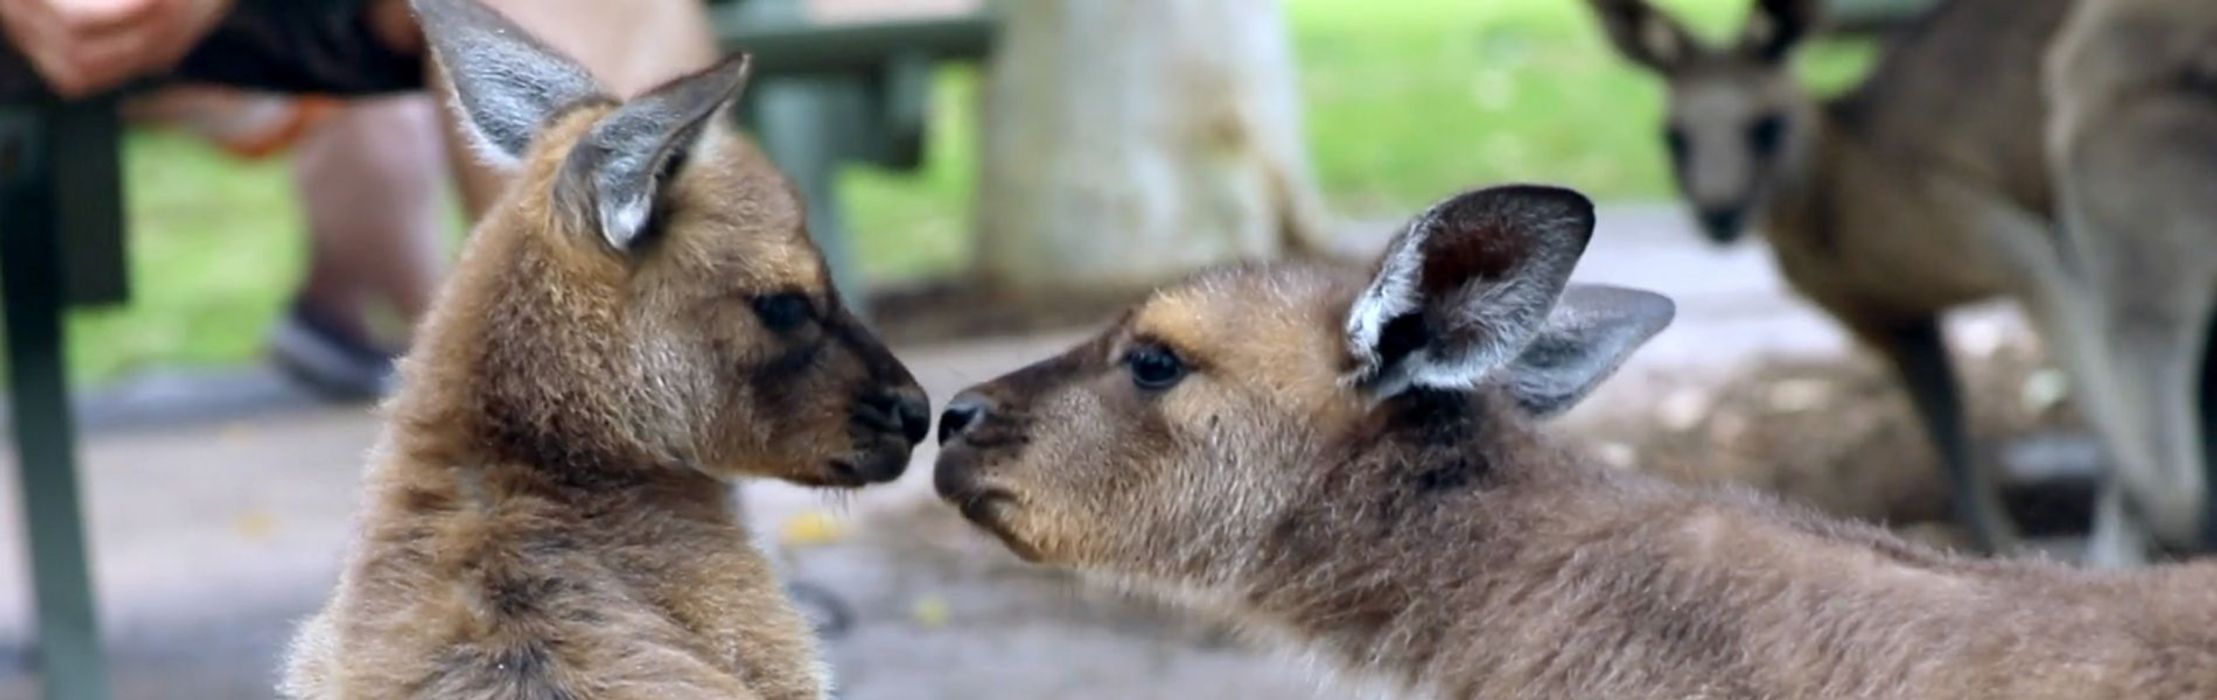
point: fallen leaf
(931, 611)
(812, 529)
(255, 524)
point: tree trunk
(1127, 142)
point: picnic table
(826, 95)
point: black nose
(915, 412)
(1722, 224)
(965, 411)
(904, 412)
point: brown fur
(1437, 540)
(547, 515)
(1878, 204)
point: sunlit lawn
(1405, 101)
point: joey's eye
(1154, 367)
(1766, 134)
(783, 311)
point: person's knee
(385, 144)
(630, 46)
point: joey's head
(647, 293)
(1176, 437)
(1738, 120)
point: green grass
(1410, 100)
(1404, 101)
(216, 247)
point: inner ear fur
(1465, 286)
(612, 179)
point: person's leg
(630, 46)
(368, 182)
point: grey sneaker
(329, 360)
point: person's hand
(84, 46)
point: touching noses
(964, 412)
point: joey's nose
(905, 412)
(914, 412)
(965, 411)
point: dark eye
(1155, 367)
(1675, 138)
(782, 312)
(1766, 134)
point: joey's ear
(1465, 287)
(506, 84)
(612, 177)
(1775, 27)
(1645, 35)
(1591, 332)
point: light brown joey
(2132, 94)
(642, 321)
(1879, 204)
(1351, 462)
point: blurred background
(220, 447)
(1401, 103)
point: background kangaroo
(1873, 202)
(642, 320)
(1350, 461)
(2132, 91)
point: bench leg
(31, 287)
(801, 132)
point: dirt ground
(1837, 434)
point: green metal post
(796, 118)
(830, 94)
(33, 290)
(796, 47)
(800, 133)
(1873, 16)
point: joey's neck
(461, 456)
(455, 412)
(1487, 591)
